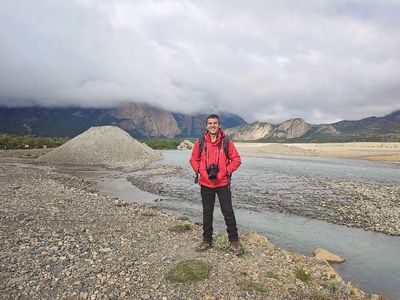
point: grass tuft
(189, 270)
(184, 218)
(302, 275)
(221, 242)
(332, 287)
(271, 274)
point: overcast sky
(322, 61)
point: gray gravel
(108, 146)
(62, 240)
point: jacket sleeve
(234, 156)
(195, 159)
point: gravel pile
(60, 239)
(108, 146)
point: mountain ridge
(386, 128)
(138, 119)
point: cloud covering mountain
(322, 61)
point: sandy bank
(61, 239)
(372, 151)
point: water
(342, 168)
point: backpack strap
(201, 146)
(226, 150)
(226, 147)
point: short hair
(213, 116)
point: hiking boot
(203, 246)
(236, 248)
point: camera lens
(212, 172)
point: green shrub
(162, 144)
(332, 287)
(271, 274)
(189, 270)
(10, 141)
(302, 275)
(184, 218)
(221, 242)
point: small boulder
(378, 297)
(185, 145)
(322, 254)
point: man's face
(212, 126)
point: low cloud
(319, 60)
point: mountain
(145, 120)
(385, 128)
(250, 132)
(140, 120)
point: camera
(212, 172)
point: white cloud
(318, 60)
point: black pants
(225, 201)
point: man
(215, 169)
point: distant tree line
(10, 141)
(162, 144)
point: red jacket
(213, 152)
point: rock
(185, 145)
(322, 254)
(378, 297)
(17, 280)
(97, 270)
(104, 250)
(297, 258)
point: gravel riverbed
(367, 205)
(62, 240)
